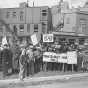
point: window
(28, 27)
(14, 14)
(21, 28)
(35, 27)
(21, 16)
(82, 25)
(44, 10)
(81, 41)
(7, 14)
(43, 27)
(44, 14)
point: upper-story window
(82, 25)
(21, 16)
(7, 14)
(44, 10)
(35, 27)
(14, 14)
(44, 14)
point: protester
(38, 59)
(6, 56)
(30, 61)
(16, 56)
(23, 64)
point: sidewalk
(42, 79)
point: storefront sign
(48, 38)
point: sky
(50, 3)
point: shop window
(21, 28)
(35, 27)
(81, 41)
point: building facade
(75, 23)
(25, 20)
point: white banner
(47, 37)
(49, 57)
(62, 58)
(69, 57)
(72, 57)
(34, 39)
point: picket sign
(4, 40)
(72, 57)
(48, 38)
(34, 39)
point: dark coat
(6, 56)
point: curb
(42, 79)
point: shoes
(21, 78)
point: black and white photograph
(43, 43)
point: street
(71, 83)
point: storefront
(70, 38)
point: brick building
(25, 20)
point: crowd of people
(28, 60)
